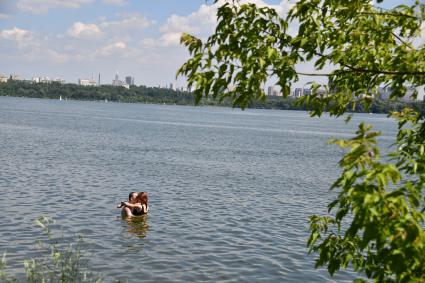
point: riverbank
(156, 95)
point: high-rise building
(272, 91)
(116, 81)
(129, 80)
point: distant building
(116, 81)
(129, 80)
(59, 80)
(384, 92)
(36, 80)
(421, 92)
(171, 86)
(307, 91)
(46, 80)
(3, 79)
(409, 96)
(87, 82)
(298, 92)
(270, 90)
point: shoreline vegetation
(156, 95)
(58, 261)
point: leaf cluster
(384, 236)
(376, 223)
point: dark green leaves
(378, 222)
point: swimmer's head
(143, 197)
(132, 197)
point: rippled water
(230, 191)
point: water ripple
(230, 191)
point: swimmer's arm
(127, 204)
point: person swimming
(127, 211)
(137, 205)
(141, 207)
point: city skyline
(74, 39)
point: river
(230, 191)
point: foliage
(144, 94)
(376, 224)
(55, 90)
(66, 263)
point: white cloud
(21, 37)
(110, 49)
(43, 6)
(115, 2)
(127, 22)
(202, 22)
(31, 47)
(123, 41)
(199, 23)
(126, 28)
(81, 30)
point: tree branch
(402, 41)
(390, 14)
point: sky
(73, 39)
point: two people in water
(136, 205)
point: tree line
(157, 95)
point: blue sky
(74, 39)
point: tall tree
(377, 220)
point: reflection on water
(137, 225)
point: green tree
(376, 223)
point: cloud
(199, 23)
(148, 42)
(125, 28)
(202, 22)
(43, 6)
(127, 22)
(81, 30)
(110, 49)
(127, 41)
(115, 2)
(46, 55)
(4, 16)
(21, 37)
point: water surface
(230, 190)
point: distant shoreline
(154, 95)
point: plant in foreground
(65, 263)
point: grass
(62, 262)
